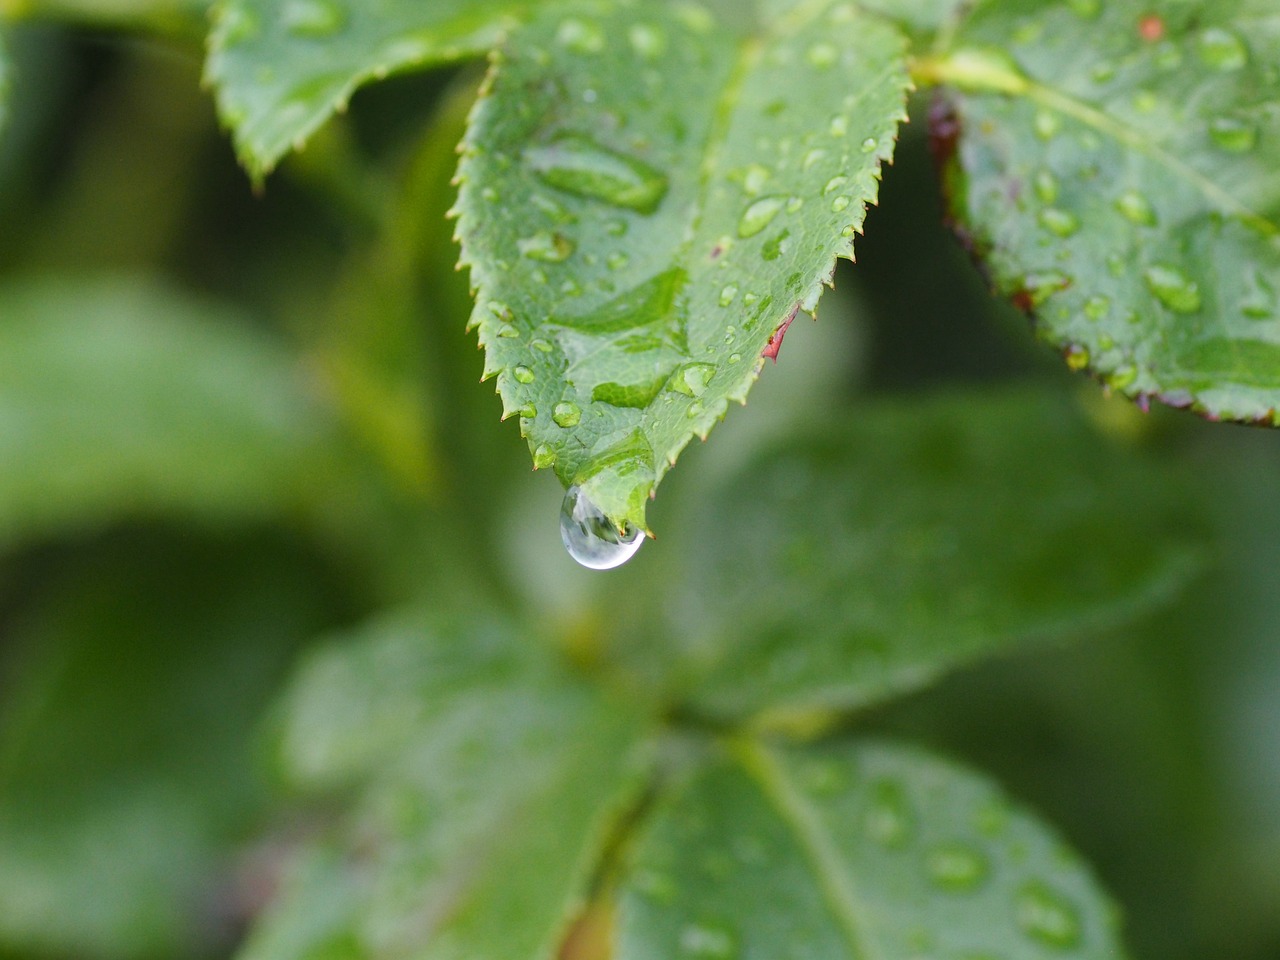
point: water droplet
(578, 165)
(759, 215)
(794, 204)
(1087, 9)
(776, 246)
(1123, 377)
(542, 346)
(522, 374)
(580, 36)
(1233, 134)
(617, 260)
(694, 411)
(822, 56)
(1097, 308)
(543, 457)
(1222, 49)
(888, 818)
(1173, 288)
(869, 145)
(508, 332)
(312, 18)
(692, 379)
(1060, 223)
(812, 157)
(647, 41)
(1046, 185)
(546, 246)
(728, 294)
(834, 184)
(1046, 916)
(528, 411)
(1077, 358)
(1047, 124)
(1039, 287)
(753, 180)
(616, 228)
(840, 204)
(567, 415)
(839, 126)
(956, 867)
(1260, 296)
(591, 538)
(707, 941)
(735, 358)
(1136, 208)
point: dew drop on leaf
(1233, 134)
(759, 215)
(706, 941)
(567, 414)
(546, 246)
(888, 818)
(1046, 916)
(591, 538)
(1061, 223)
(522, 374)
(1173, 288)
(578, 165)
(1222, 49)
(956, 867)
(312, 18)
(1136, 208)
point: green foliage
(238, 415)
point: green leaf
(649, 196)
(281, 68)
(867, 851)
(489, 776)
(183, 17)
(838, 569)
(4, 82)
(133, 686)
(120, 398)
(1118, 167)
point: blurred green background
(231, 422)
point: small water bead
(1046, 916)
(546, 247)
(567, 415)
(1077, 358)
(811, 158)
(580, 36)
(1233, 135)
(1123, 377)
(759, 215)
(528, 411)
(692, 379)
(869, 145)
(649, 42)
(728, 294)
(834, 184)
(508, 332)
(1061, 223)
(1173, 288)
(1046, 185)
(1097, 308)
(1047, 124)
(956, 867)
(754, 179)
(1136, 208)
(1260, 297)
(522, 374)
(542, 346)
(888, 819)
(839, 126)
(591, 538)
(312, 18)
(794, 204)
(1222, 50)
(617, 261)
(840, 204)
(822, 56)
(543, 457)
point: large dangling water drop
(591, 538)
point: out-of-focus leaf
(842, 568)
(489, 778)
(870, 850)
(118, 398)
(650, 194)
(1118, 167)
(4, 83)
(132, 688)
(281, 68)
(183, 17)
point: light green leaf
(839, 569)
(118, 398)
(133, 687)
(649, 195)
(281, 68)
(490, 777)
(860, 851)
(1118, 167)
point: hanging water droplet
(1233, 134)
(567, 414)
(1061, 223)
(591, 538)
(1046, 916)
(1173, 288)
(543, 457)
(546, 246)
(522, 374)
(577, 164)
(956, 867)
(1222, 49)
(759, 215)
(312, 18)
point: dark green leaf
(133, 687)
(1119, 169)
(490, 777)
(119, 398)
(175, 16)
(839, 569)
(870, 851)
(281, 68)
(4, 83)
(650, 194)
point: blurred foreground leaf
(119, 398)
(864, 561)
(281, 68)
(487, 780)
(855, 851)
(131, 691)
(650, 195)
(185, 17)
(1118, 167)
